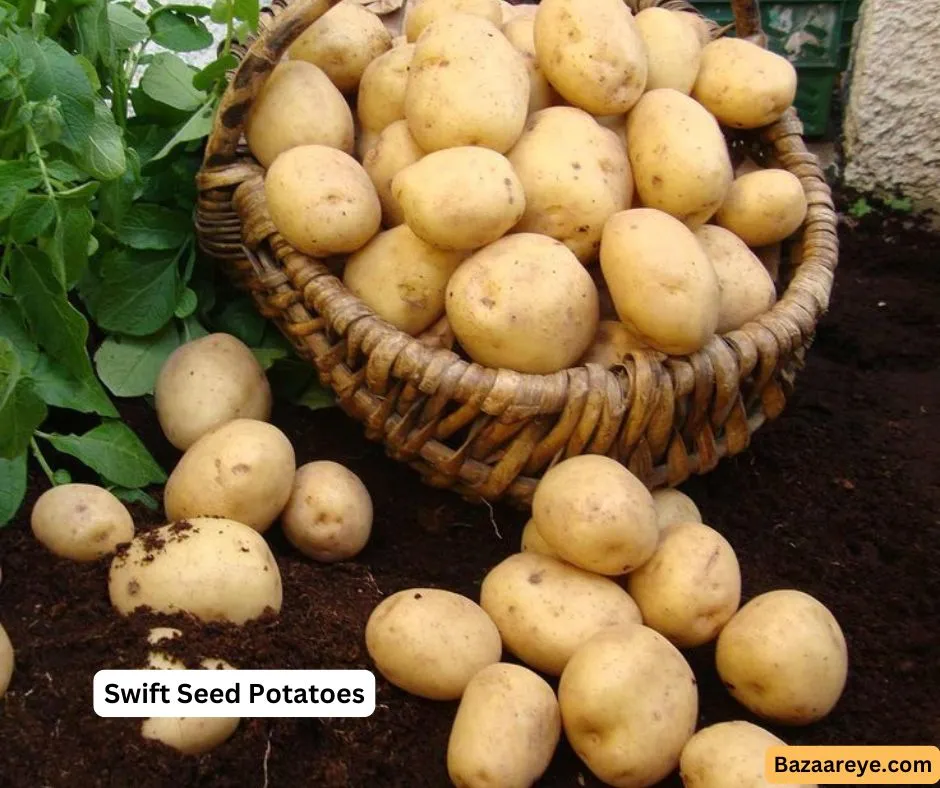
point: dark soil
(839, 498)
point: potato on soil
(381, 98)
(532, 541)
(212, 568)
(674, 506)
(422, 13)
(673, 48)
(243, 469)
(521, 34)
(430, 642)
(394, 150)
(764, 207)
(611, 345)
(6, 661)
(207, 382)
(81, 522)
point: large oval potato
(298, 105)
(212, 568)
(207, 382)
(763, 207)
(243, 469)
(394, 149)
(520, 31)
(545, 609)
(422, 13)
(611, 345)
(664, 287)
(506, 729)
(678, 155)
(6, 661)
(592, 53)
(381, 98)
(674, 50)
(674, 506)
(629, 704)
(525, 303)
(431, 642)
(468, 86)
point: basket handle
(747, 21)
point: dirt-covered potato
(674, 506)
(596, 514)
(520, 31)
(506, 729)
(322, 201)
(533, 542)
(241, 470)
(784, 657)
(328, 516)
(81, 522)
(422, 13)
(592, 53)
(523, 303)
(6, 661)
(431, 642)
(394, 150)
(212, 568)
(611, 345)
(674, 50)
(629, 704)
(298, 105)
(206, 382)
(763, 207)
(381, 98)
(546, 609)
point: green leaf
(240, 318)
(61, 476)
(31, 217)
(69, 247)
(102, 153)
(290, 378)
(19, 175)
(197, 127)
(116, 197)
(21, 410)
(127, 27)
(215, 71)
(62, 171)
(247, 11)
(266, 356)
(12, 486)
(316, 397)
(89, 68)
(187, 304)
(136, 496)
(183, 8)
(179, 32)
(169, 81)
(129, 366)
(221, 11)
(147, 226)
(114, 452)
(93, 32)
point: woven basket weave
(488, 433)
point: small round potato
(298, 105)
(763, 207)
(629, 703)
(6, 661)
(521, 34)
(207, 382)
(329, 514)
(532, 541)
(592, 53)
(673, 48)
(596, 514)
(523, 303)
(506, 729)
(81, 522)
(212, 568)
(322, 201)
(545, 609)
(674, 506)
(243, 469)
(381, 98)
(612, 343)
(421, 13)
(394, 150)
(430, 642)
(784, 657)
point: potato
(329, 514)
(673, 48)
(381, 98)
(343, 42)
(207, 382)
(430, 642)
(81, 522)
(6, 661)
(524, 303)
(612, 343)
(674, 506)
(747, 291)
(422, 13)
(394, 149)
(545, 608)
(629, 704)
(575, 174)
(784, 657)
(212, 568)
(402, 278)
(729, 754)
(322, 201)
(763, 207)
(678, 156)
(298, 105)
(700, 24)
(506, 729)
(592, 53)
(664, 287)
(365, 142)
(618, 125)
(521, 34)
(532, 541)
(596, 514)
(744, 85)
(461, 198)
(468, 86)
(243, 469)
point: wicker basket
(488, 433)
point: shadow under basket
(492, 433)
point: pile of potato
(550, 181)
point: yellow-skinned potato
(243, 469)
(698, 23)
(381, 98)
(6, 661)
(673, 48)
(532, 541)
(468, 86)
(322, 201)
(430, 642)
(521, 34)
(365, 141)
(575, 174)
(784, 657)
(506, 729)
(674, 506)
(747, 290)
(546, 609)
(524, 303)
(629, 704)
(394, 149)
(592, 53)
(611, 344)
(298, 105)
(460, 199)
(422, 13)
(744, 85)
(664, 286)
(679, 157)
(763, 207)
(402, 278)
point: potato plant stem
(37, 453)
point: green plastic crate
(850, 11)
